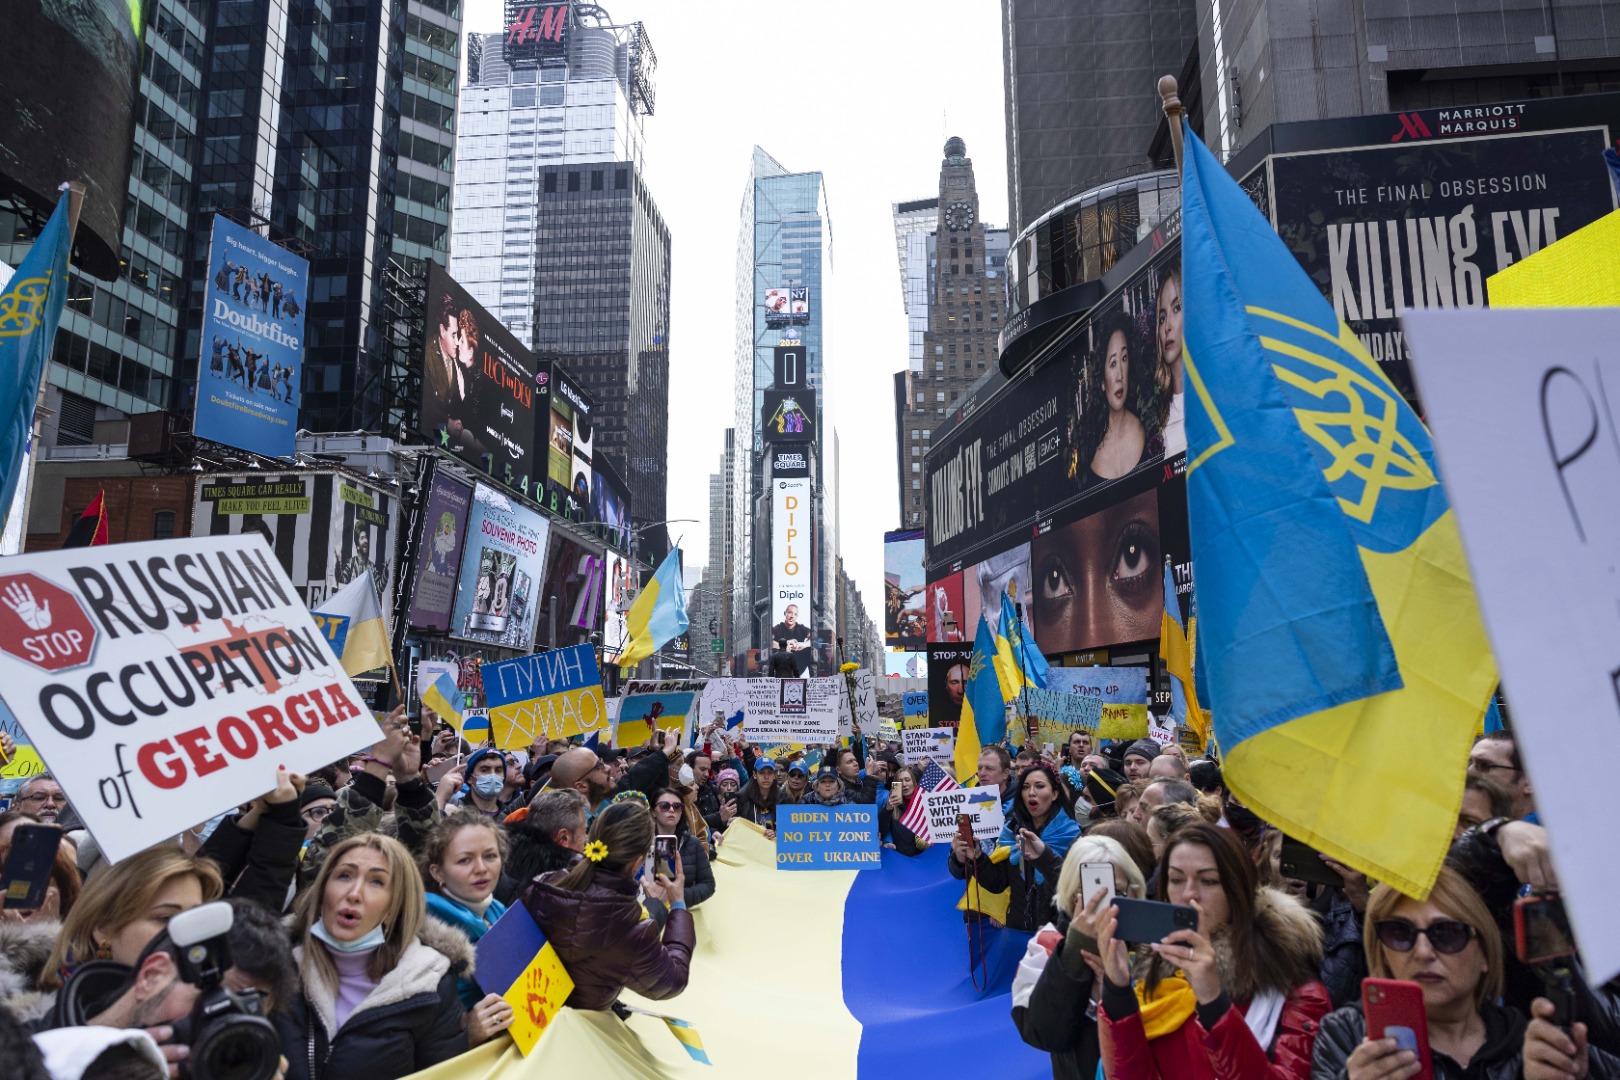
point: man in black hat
(1139, 757)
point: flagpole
(1173, 113)
(1023, 678)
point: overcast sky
(865, 92)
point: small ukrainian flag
(688, 1037)
(445, 699)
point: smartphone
(413, 720)
(1049, 749)
(1541, 929)
(1094, 876)
(27, 873)
(964, 829)
(1150, 921)
(895, 788)
(1394, 1010)
(664, 848)
(435, 773)
(1302, 862)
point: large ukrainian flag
(659, 614)
(984, 710)
(1339, 632)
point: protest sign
(649, 704)
(826, 837)
(1121, 691)
(1161, 729)
(938, 743)
(793, 710)
(428, 672)
(514, 956)
(887, 730)
(1521, 407)
(866, 712)
(982, 804)
(914, 703)
(25, 762)
(1057, 715)
(552, 694)
(164, 682)
(334, 628)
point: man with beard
(43, 797)
(585, 772)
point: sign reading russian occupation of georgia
(1523, 405)
(938, 743)
(793, 710)
(827, 837)
(163, 682)
(552, 694)
(982, 804)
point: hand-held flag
(984, 710)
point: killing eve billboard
(478, 386)
(252, 341)
(325, 529)
(1106, 404)
(1424, 224)
(444, 526)
(501, 566)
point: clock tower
(966, 302)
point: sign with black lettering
(827, 838)
(164, 682)
(982, 805)
(1412, 224)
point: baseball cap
(764, 763)
(797, 765)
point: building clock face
(958, 216)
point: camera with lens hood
(229, 1036)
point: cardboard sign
(827, 837)
(914, 703)
(793, 710)
(164, 682)
(866, 710)
(552, 694)
(982, 804)
(25, 762)
(1522, 405)
(917, 744)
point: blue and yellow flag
(1018, 662)
(984, 710)
(1177, 639)
(30, 310)
(659, 614)
(1340, 636)
(444, 698)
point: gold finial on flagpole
(1173, 113)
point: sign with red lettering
(163, 683)
(43, 624)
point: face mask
(365, 943)
(207, 828)
(489, 786)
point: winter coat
(359, 810)
(457, 918)
(1054, 1014)
(259, 865)
(606, 944)
(1027, 909)
(708, 804)
(1501, 1058)
(529, 856)
(411, 1020)
(841, 797)
(699, 884)
(1344, 960)
(24, 948)
(1215, 1043)
(758, 807)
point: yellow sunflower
(596, 851)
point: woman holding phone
(670, 814)
(1450, 947)
(1030, 851)
(1236, 999)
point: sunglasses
(669, 806)
(1448, 936)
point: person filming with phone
(1224, 984)
(1445, 953)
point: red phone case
(1395, 1003)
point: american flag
(934, 778)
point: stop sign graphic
(43, 624)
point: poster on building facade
(905, 618)
(444, 527)
(501, 564)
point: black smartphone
(664, 856)
(413, 720)
(1302, 862)
(1151, 921)
(27, 873)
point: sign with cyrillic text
(551, 694)
(164, 682)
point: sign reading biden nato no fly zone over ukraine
(164, 682)
(827, 837)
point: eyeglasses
(317, 813)
(39, 798)
(1480, 765)
(1448, 936)
(669, 806)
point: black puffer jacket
(529, 856)
(1058, 1019)
(1501, 1058)
(412, 1020)
(1344, 960)
(260, 864)
(604, 943)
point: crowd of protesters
(358, 895)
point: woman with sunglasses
(672, 814)
(1450, 947)
(1236, 999)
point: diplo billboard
(248, 377)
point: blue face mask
(489, 785)
(365, 943)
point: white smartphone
(1095, 876)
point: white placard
(938, 743)
(793, 710)
(982, 804)
(866, 709)
(1161, 729)
(163, 682)
(1522, 408)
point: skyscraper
(784, 244)
(954, 278)
(558, 235)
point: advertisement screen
(610, 502)
(570, 441)
(1419, 224)
(501, 566)
(478, 387)
(1105, 405)
(789, 416)
(570, 595)
(791, 517)
(1099, 580)
(252, 342)
(326, 530)
(68, 76)
(905, 621)
(621, 588)
(787, 306)
(444, 527)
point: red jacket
(1228, 1052)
